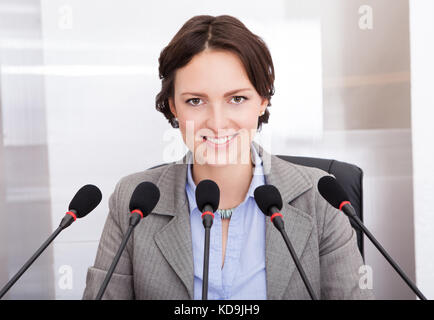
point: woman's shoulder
(310, 175)
(299, 184)
(152, 174)
(276, 165)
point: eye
(194, 100)
(238, 99)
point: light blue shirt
(243, 275)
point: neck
(233, 181)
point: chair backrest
(349, 176)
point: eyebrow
(204, 95)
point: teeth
(219, 140)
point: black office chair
(349, 176)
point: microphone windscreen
(267, 196)
(207, 192)
(332, 191)
(85, 200)
(145, 197)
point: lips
(219, 140)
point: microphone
(207, 200)
(85, 200)
(143, 200)
(332, 191)
(269, 200)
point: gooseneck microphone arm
(348, 209)
(134, 220)
(207, 200)
(143, 200)
(66, 221)
(276, 218)
(207, 220)
(269, 201)
(335, 195)
(85, 200)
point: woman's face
(217, 108)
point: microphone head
(85, 200)
(207, 192)
(332, 191)
(267, 196)
(145, 197)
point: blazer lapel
(291, 183)
(174, 239)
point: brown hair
(221, 32)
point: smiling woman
(225, 33)
(217, 82)
(217, 115)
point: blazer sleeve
(121, 285)
(341, 274)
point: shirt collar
(257, 179)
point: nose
(217, 119)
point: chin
(215, 161)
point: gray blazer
(158, 260)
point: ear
(172, 107)
(264, 104)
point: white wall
(367, 107)
(422, 71)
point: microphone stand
(134, 220)
(66, 221)
(350, 212)
(207, 220)
(277, 220)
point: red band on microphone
(344, 203)
(138, 211)
(277, 214)
(208, 212)
(72, 214)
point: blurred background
(78, 80)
